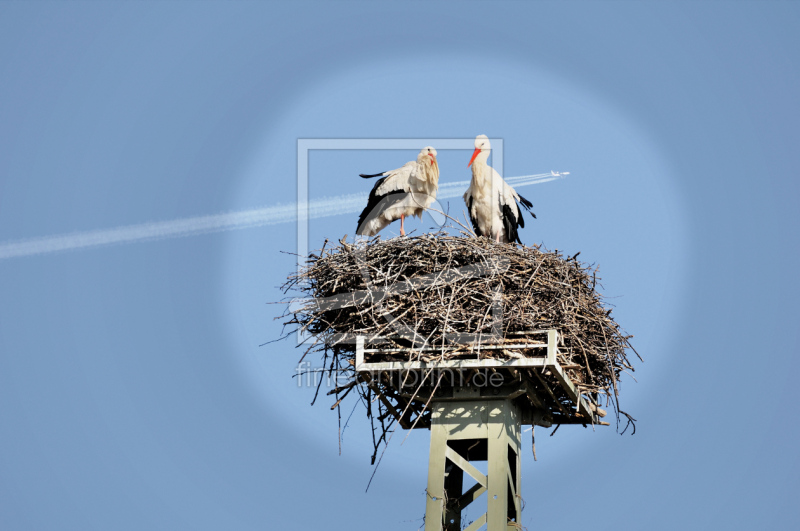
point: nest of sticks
(443, 290)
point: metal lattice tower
(463, 431)
(471, 423)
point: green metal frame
(474, 430)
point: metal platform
(531, 376)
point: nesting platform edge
(533, 378)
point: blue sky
(133, 392)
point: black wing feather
(365, 176)
(528, 205)
(374, 200)
(510, 223)
(472, 218)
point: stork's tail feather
(527, 204)
(365, 176)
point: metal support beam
(463, 432)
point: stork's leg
(402, 219)
(497, 237)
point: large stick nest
(443, 290)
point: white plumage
(491, 202)
(406, 191)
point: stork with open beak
(491, 202)
(406, 191)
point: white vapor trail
(243, 219)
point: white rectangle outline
(304, 145)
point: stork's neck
(480, 170)
(430, 170)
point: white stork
(491, 202)
(406, 191)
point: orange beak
(474, 154)
(433, 158)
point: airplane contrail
(243, 219)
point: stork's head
(482, 149)
(428, 154)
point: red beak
(474, 154)
(432, 157)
